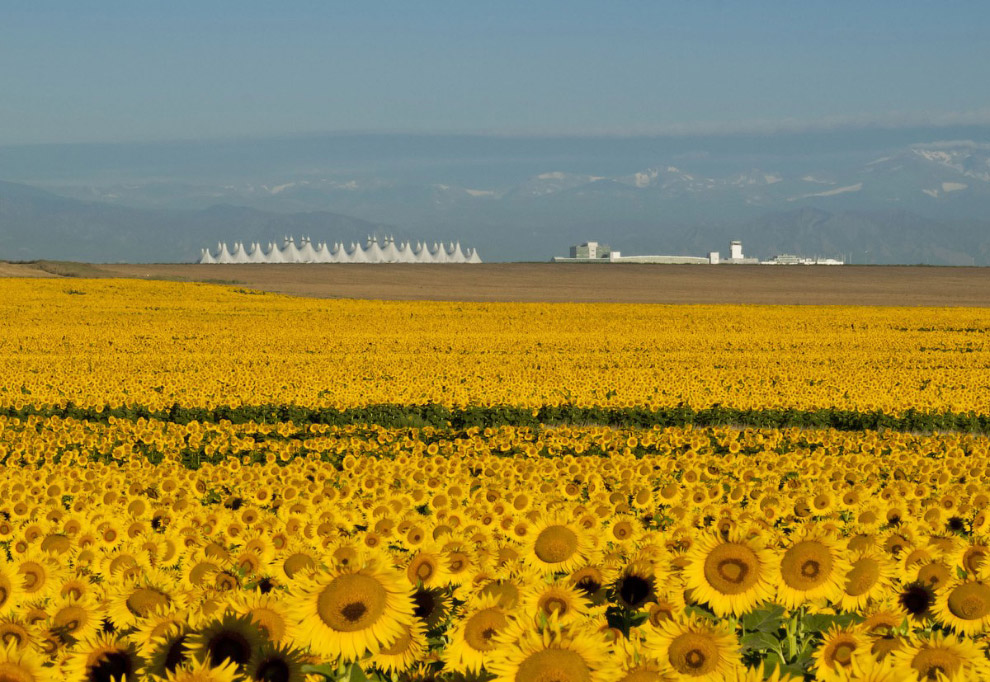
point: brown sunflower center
(144, 600)
(553, 665)
(622, 530)
(351, 602)
(973, 558)
(932, 661)
(806, 565)
(864, 575)
(69, 618)
(693, 653)
(269, 621)
(482, 627)
(970, 601)
(34, 575)
(297, 562)
(732, 568)
(842, 652)
(555, 544)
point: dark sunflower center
(176, 654)
(265, 585)
(810, 569)
(116, 665)
(956, 524)
(353, 611)
(424, 602)
(916, 599)
(695, 659)
(273, 670)
(588, 585)
(229, 646)
(634, 590)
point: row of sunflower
(156, 344)
(579, 554)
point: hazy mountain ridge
(926, 203)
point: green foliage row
(439, 416)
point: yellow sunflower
(202, 671)
(811, 568)
(230, 638)
(103, 657)
(557, 598)
(24, 665)
(472, 636)
(940, 656)
(732, 575)
(344, 612)
(870, 578)
(408, 649)
(964, 606)
(841, 655)
(695, 649)
(554, 544)
(525, 653)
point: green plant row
(439, 416)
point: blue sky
(128, 70)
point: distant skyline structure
(120, 71)
(371, 252)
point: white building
(371, 252)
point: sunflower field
(200, 482)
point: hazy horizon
(127, 72)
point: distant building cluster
(371, 252)
(594, 252)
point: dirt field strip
(545, 282)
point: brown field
(804, 285)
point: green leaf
(759, 640)
(768, 619)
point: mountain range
(906, 203)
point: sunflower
(430, 605)
(916, 601)
(557, 598)
(592, 581)
(428, 566)
(404, 652)
(732, 575)
(229, 638)
(524, 653)
(139, 597)
(695, 649)
(842, 654)
(21, 664)
(75, 618)
(104, 657)
(636, 585)
(556, 545)
(345, 612)
(870, 577)
(811, 568)
(168, 650)
(11, 591)
(939, 656)
(279, 662)
(472, 637)
(964, 606)
(636, 663)
(202, 671)
(268, 612)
